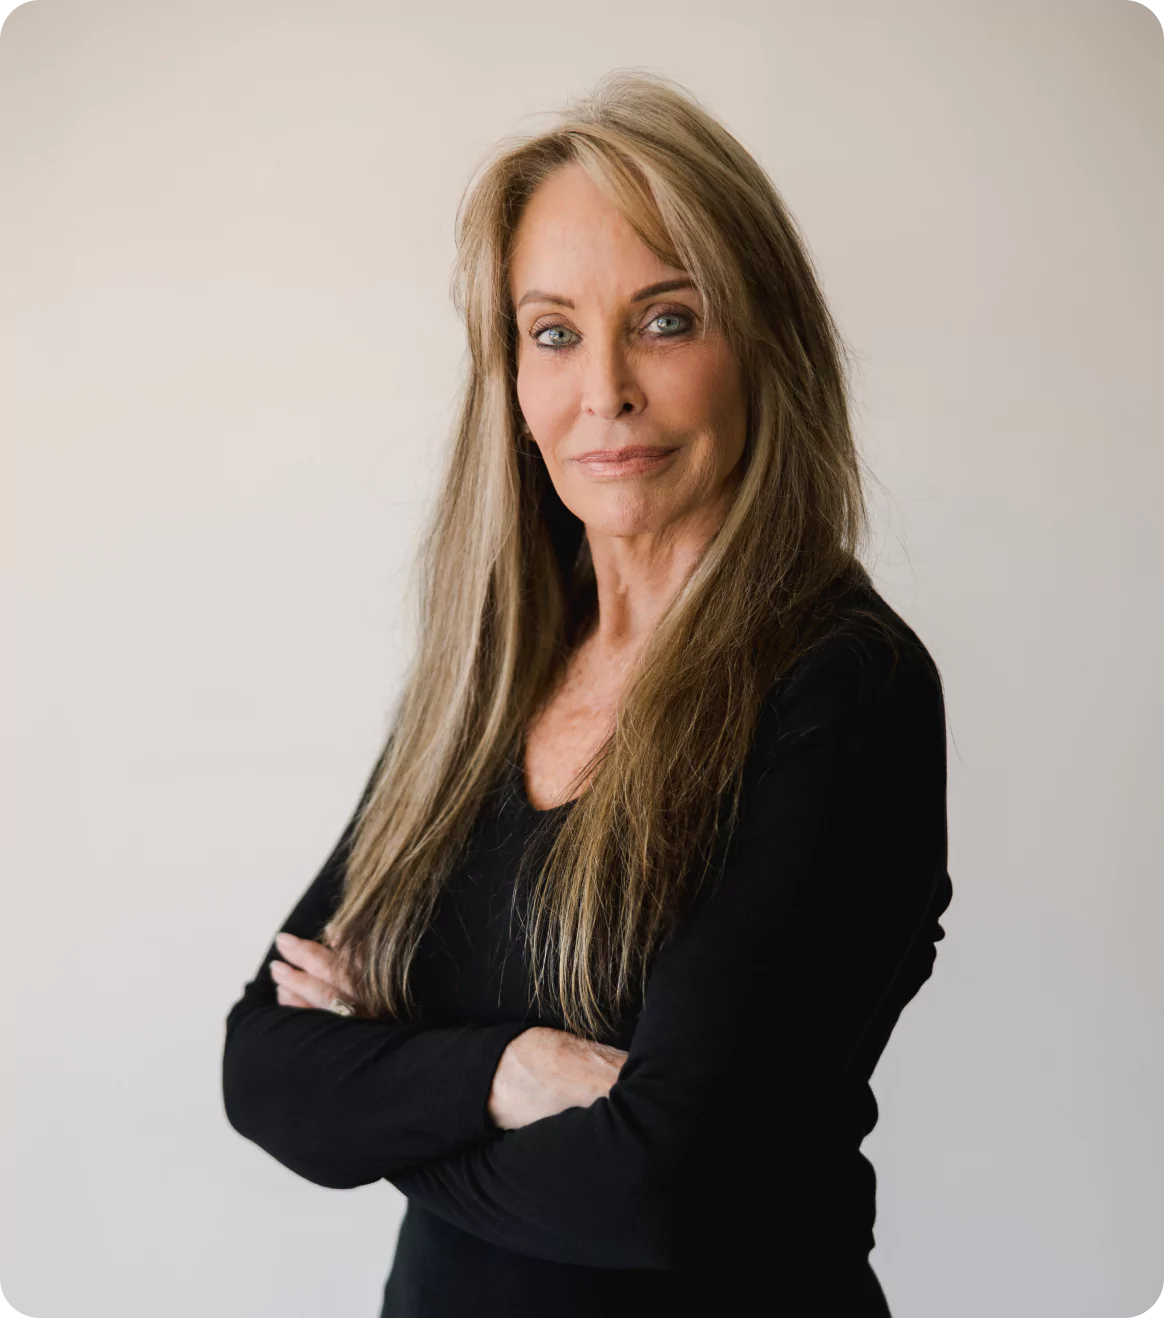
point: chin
(625, 515)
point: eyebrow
(666, 286)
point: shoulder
(866, 661)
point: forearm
(345, 1102)
(582, 1187)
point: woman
(654, 856)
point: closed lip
(625, 454)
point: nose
(610, 388)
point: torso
(472, 968)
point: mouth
(624, 461)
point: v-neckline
(518, 766)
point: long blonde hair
(506, 587)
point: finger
(317, 960)
(317, 992)
(288, 999)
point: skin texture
(607, 372)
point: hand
(544, 1071)
(315, 977)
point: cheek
(543, 395)
(705, 395)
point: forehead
(572, 240)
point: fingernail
(278, 968)
(283, 940)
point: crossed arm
(344, 1101)
(829, 876)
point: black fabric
(723, 1172)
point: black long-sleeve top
(723, 1169)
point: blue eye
(668, 315)
(549, 329)
(684, 318)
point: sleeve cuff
(483, 1047)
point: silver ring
(340, 1007)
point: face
(640, 420)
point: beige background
(228, 365)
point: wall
(228, 365)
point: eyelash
(561, 347)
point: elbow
(257, 1108)
(245, 1098)
(257, 1119)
